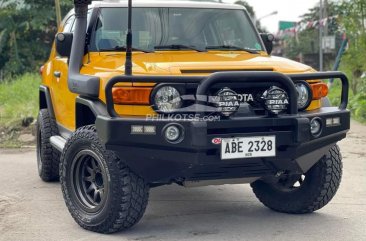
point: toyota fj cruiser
(134, 97)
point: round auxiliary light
(276, 100)
(227, 102)
(173, 133)
(304, 95)
(167, 99)
(316, 126)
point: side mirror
(268, 41)
(63, 44)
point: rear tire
(315, 188)
(102, 194)
(48, 158)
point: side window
(69, 24)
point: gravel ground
(33, 210)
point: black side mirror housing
(63, 44)
(268, 39)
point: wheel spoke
(96, 194)
(101, 193)
(88, 179)
(91, 188)
(94, 163)
(89, 170)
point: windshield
(175, 29)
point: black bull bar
(249, 78)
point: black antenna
(128, 64)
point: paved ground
(33, 210)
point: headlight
(167, 99)
(304, 95)
(276, 100)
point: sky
(288, 10)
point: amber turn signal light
(131, 95)
(319, 90)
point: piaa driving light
(167, 99)
(276, 100)
(304, 95)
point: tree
(304, 45)
(354, 62)
(12, 24)
(27, 30)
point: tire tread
(129, 199)
(328, 171)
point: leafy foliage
(307, 41)
(354, 61)
(27, 29)
(351, 20)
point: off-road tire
(127, 195)
(48, 158)
(320, 185)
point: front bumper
(197, 158)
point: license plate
(248, 147)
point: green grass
(356, 103)
(18, 99)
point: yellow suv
(162, 92)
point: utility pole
(58, 12)
(325, 16)
(321, 36)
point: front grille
(220, 171)
(211, 71)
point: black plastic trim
(46, 92)
(87, 111)
(78, 83)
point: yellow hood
(107, 65)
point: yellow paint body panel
(172, 63)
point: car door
(64, 100)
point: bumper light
(173, 133)
(333, 122)
(143, 130)
(316, 127)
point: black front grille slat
(222, 131)
(217, 171)
(211, 71)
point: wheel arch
(45, 100)
(87, 110)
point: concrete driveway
(33, 210)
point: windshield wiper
(178, 47)
(232, 47)
(123, 48)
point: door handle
(57, 74)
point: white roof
(165, 3)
